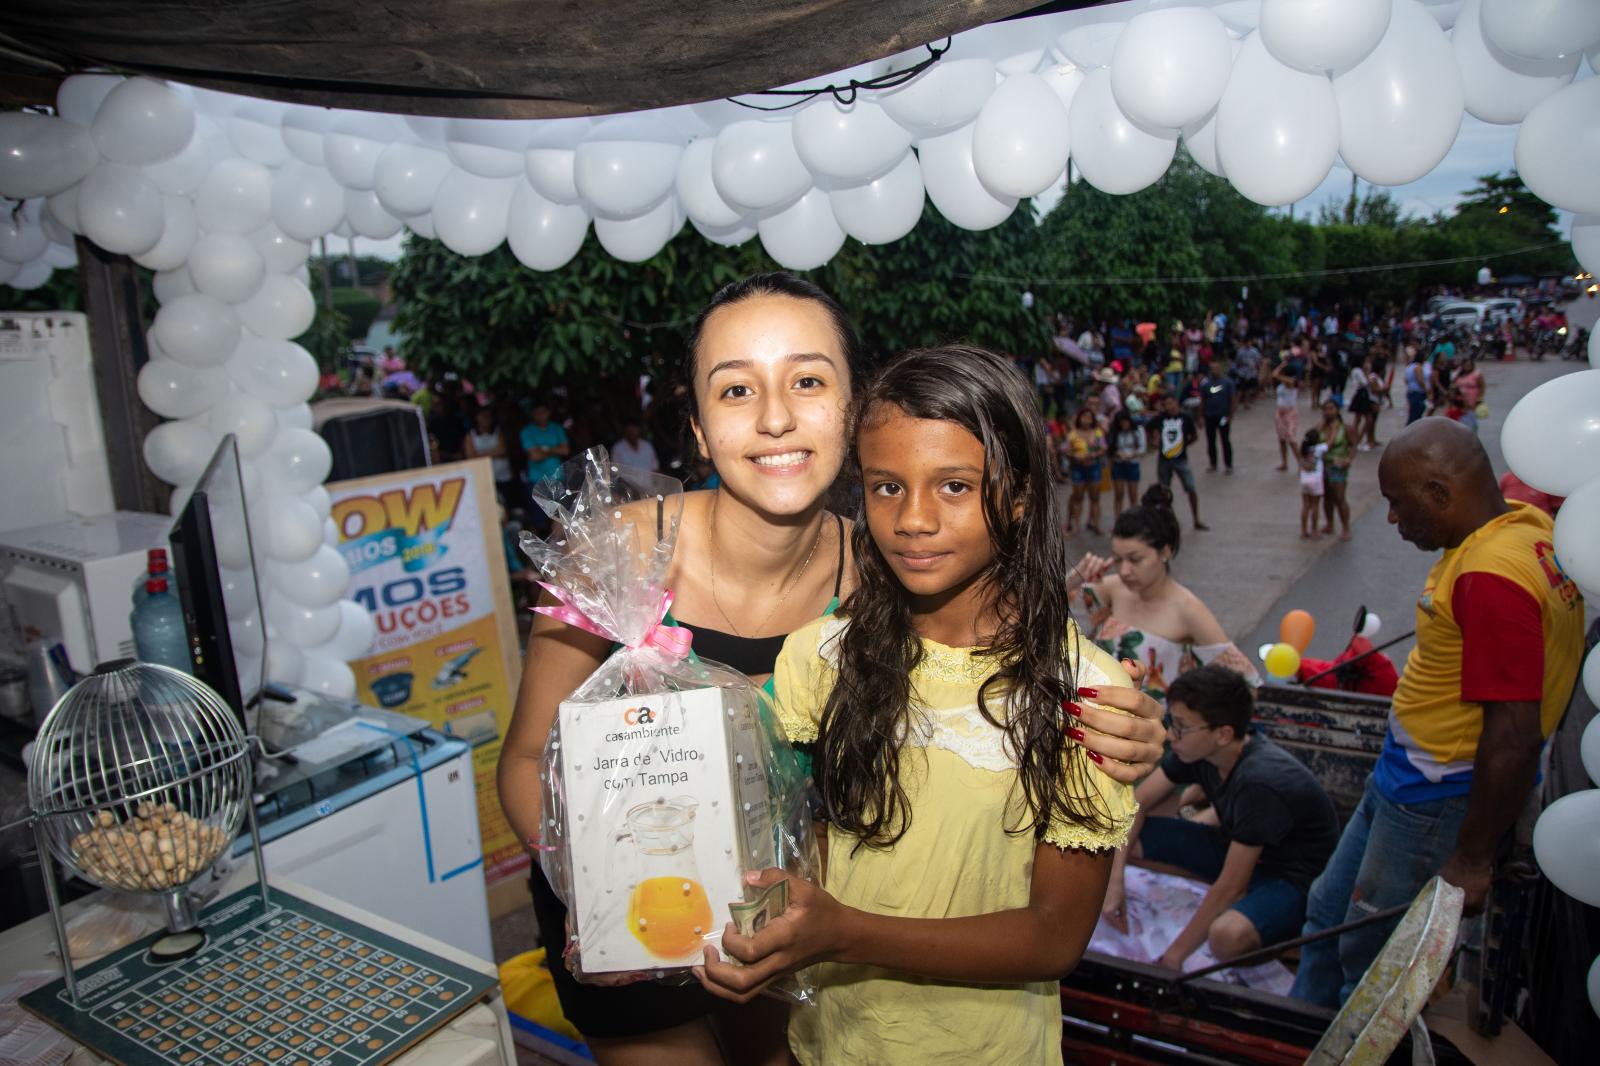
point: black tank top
(754, 655)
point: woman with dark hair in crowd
(1139, 611)
(771, 364)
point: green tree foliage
(359, 311)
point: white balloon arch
(222, 195)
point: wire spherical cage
(140, 778)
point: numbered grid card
(666, 805)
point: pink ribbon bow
(672, 640)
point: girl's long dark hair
(868, 713)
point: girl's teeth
(786, 459)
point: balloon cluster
(1295, 631)
(129, 164)
(1269, 94)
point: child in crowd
(1128, 446)
(1267, 835)
(968, 838)
(1084, 451)
(1311, 488)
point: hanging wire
(1000, 279)
(846, 94)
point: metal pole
(47, 870)
(1358, 658)
(1271, 950)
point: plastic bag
(666, 776)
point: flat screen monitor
(215, 565)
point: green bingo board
(285, 984)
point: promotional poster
(427, 559)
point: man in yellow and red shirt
(1499, 642)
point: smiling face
(1139, 565)
(923, 481)
(772, 387)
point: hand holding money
(791, 924)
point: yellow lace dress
(955, 860)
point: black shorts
(600, 1011)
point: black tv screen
(212, 556)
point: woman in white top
(485, 441)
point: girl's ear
(701, 451)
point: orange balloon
(1297, 629)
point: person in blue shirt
(545, 443)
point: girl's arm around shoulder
(1041, 941)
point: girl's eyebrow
(746, 364)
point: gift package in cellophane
(667, 776)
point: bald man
(1499, 640)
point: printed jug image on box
(667, 776)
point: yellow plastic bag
(531, 992)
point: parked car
(1462, 314)
(1498, 310)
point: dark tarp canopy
(480, 58)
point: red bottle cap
(155, 585)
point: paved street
(1252, 566)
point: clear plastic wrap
(666, 776)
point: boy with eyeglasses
(1267, 835)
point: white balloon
(307, 628)
(142, 121)
(60, 256)
(281, 309)
(306, 202)
(40, 155)
(295, 416)
(247, 418)
(1170, 66)
(183, 174)
(173, 390)
(239, 598)
(352, 156)
(284, 662)
(1585, 239)
(728, 236)
(1277, 128)
(408, 176)
(367, 215)
(470, 212)
(952, 182)
(226, 267)
(298, 461)
(1200, 138)
(280, 252)
(754, 166)
(235, 197)
(303, 129)
(120, 209)
(171, 284)
(1112, 152)
(1551, 438)
(356, 632)
(1501, 87)
(885, 208)
(1589, 744)
(22, 239)
(804, 235)
(1577, 533)
(1568, 848)
(1323, 35)
(1021, 138)
(255, 132)
(634, 240)
(489, 148)
(277, 372)
(197, 330)
(30, 276)
(177, 452)
(697, 191)
(1541, 29)
(1400, 107)
(326, 675)
(850, 143)
(317, 496)
(544, 235)
(1558, 148)
(422, 225)
(318, 580)
(288, 530)
(625, 179)
(80, 96)
(942, 98)
(550, 172)
(63, 207)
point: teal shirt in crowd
(549, 436)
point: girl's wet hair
(776, 283)
(867, 715)
(1152, 520)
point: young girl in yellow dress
(968, 839)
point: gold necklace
(792, 585)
